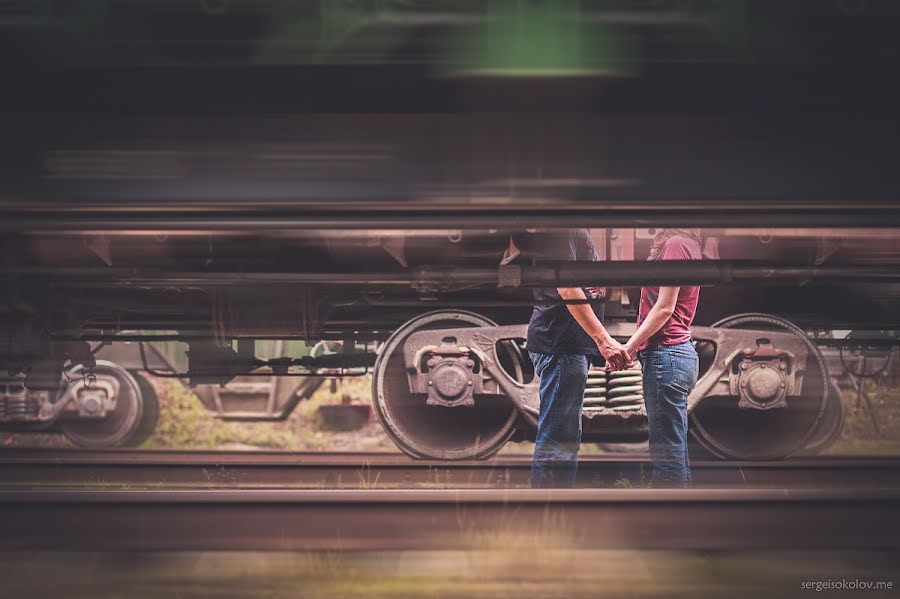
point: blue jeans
(563, 379)
(670, 373)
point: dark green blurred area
(496, 38)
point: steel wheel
(435, 432)
(119, 424)
(750, 434)
(149, 413)
(831, 424)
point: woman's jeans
(563, 379)
(670, 373)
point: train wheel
(445, 433)
(149, 413)
(730, 432)
(831, 424)
(120, 423)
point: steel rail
(234, 519)
(371, 215)
(217, 469)
(629, 273)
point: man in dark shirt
(562, 338)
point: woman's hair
(659, 240)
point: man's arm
(612, 350)
(658, 316)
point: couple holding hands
(562, 338)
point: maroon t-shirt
(678, 328)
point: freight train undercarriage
(443, 340)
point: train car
(220, 173)
(112, 405)
(451, 377)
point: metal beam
(431, 519)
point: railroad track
(243, 519)
(129, 500)
(234, 469)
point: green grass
(859, 435)
(185, 424)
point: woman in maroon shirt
(669, 361)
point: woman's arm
(659, 315)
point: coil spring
(14, 402)
(618, 391)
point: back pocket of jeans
(681, 372)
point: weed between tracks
(366, 480)
(624, 482)
(438, 478)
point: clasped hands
(618, 356)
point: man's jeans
(670, 373)
(563, 379)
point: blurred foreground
(505, 566)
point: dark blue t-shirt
(552, 328)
